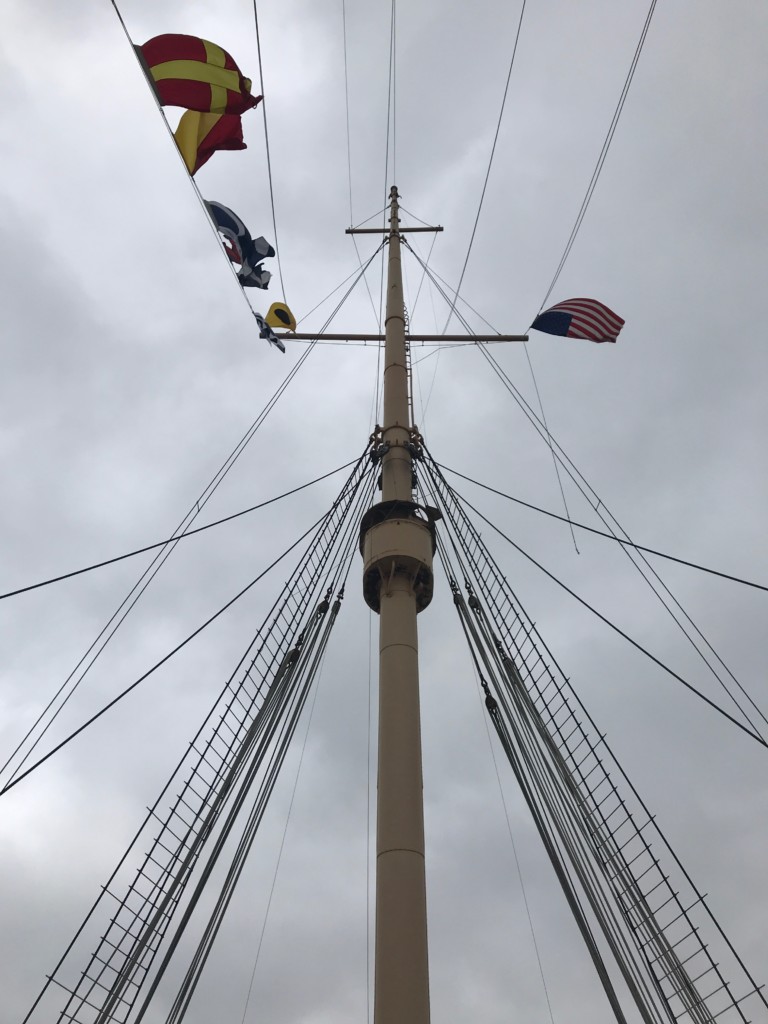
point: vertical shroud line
(397, 545)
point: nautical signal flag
(580, 318)
(246, 251)
(265, 331)
(196, 74)
(278, 315)
(200, 135)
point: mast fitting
(397, 538)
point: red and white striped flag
(580, 318)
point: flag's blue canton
(553, 322)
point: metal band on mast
(397, 544)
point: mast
(397, 545)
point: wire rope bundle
(208, 773)
(650, 913)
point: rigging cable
(753, 735)
(180, 536)
(551, 450)
(231, 734)
(349, 558)
(266, 145)
(283, 715)
(349, 152)
(582, 485)
(552, 844)
(612, 523)
(16, 778)
(488, 171)
(282, 841)
(133, 595)
(369, 774)
(493, 583)
(445, 559)
(390, 75)
(603, 152)
(423, 274)
(315, 646)
(124, 693)
(334, 290)
(191, 178)
(535, 384)
(413, 311)
(601, 533)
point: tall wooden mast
(397, 543)
(397, 553)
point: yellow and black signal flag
(200, 135)
(196, 74)
(278, 315)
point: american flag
(580, 318)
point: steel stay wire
(677, 975)
(192, 181)
(601, 533)
(372, 216)
(488, 171)
(358, 496)
(445, 559)
(603, 152)
(333, 292)
(601, 907)
(497, 581)
(533, 375)
(243, 770)
(16, 779)
(572, 835)
(157, 562)
(572, 831)
(279, 855)
(346, 551)
(290, 808)
(390, 75)
(180, 536)
(266, 146)
(553, 843)
(602, 742)
(124, 693)
(602, 511)
(228, 697)
(349, 152)
(616, 629)
(274, 746)
(598, 900)
(581, 483)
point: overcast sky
(131, 367)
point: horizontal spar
(386, 231)
(432, 338)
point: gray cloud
(131, 367)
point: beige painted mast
(397, 553)
(397, 542)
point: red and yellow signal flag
(200, 135)
(194, 73)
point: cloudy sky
(131, 368)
